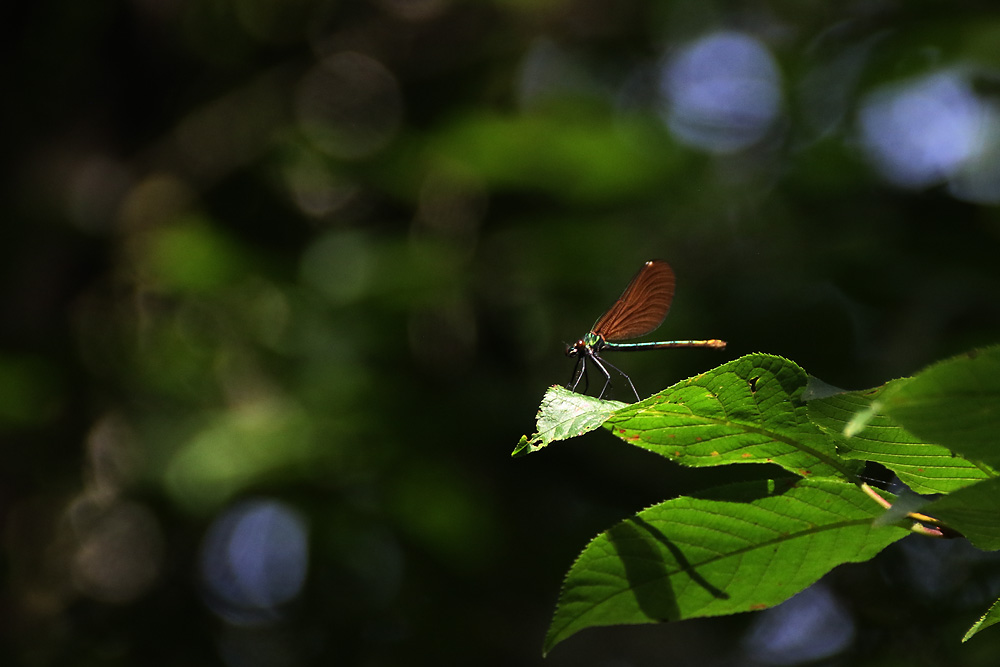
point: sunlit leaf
(871, 435)
(746, 411)
(991, 617)
(565, 414)
(696, 557)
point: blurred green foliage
(329, 252)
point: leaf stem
(919, 520)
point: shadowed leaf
(955, 403)
(921, 465)
(696, 557)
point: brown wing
(642, 306)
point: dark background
(283, 284)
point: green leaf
(697, 557)
(955, 403)
(29, 391)
(192, 255)
(991, 617)
(578, 156)
(973, 512)
(871, 435)
(238, 449)
(565, 414)
(746, 411)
